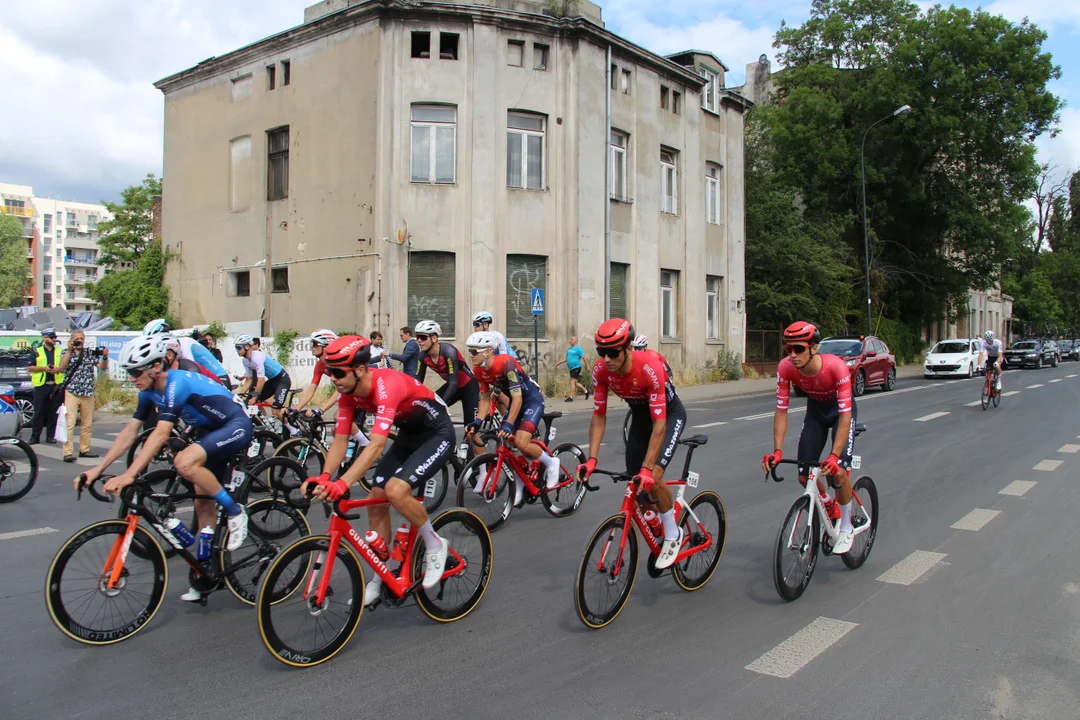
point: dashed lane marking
(797, 651)
(931, 416)
(769, 414)
(1010, 393)
(975, 520)
(1032, 387)
(1071, 376)
(911, 568)
(27, 533)
(1069, 449)
(1017, 488)
(709, 425)
(1056, 380)
(977, 403)
(1048, 465)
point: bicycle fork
(114, 564)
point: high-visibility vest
(38, 379)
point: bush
(904, 342)
(115, 397)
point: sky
(81, 120)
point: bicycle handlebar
(777, 478)
(620, 477)
(84, 483)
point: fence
(764, 350)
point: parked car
(10, 419)
(1030, 353)
(871, 362)
(13, 364)
(1056, 350)
(1070, 349)
(953, 358)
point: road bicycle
(609, 563)
(990, 392)
(18, 469)
(268, 422)
(310, 603)
(813, 522)
(108, 580)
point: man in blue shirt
(410, 356)
(575, 356)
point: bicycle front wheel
(997, 398)
(433, 491)
(161, 461)
(697, 569)
(297, 630)
(18, 469)
(796, 550)
(487, 489)
(606, 575)
(566, 497)
(272, 525)
(77, 592)
(470, 559)
(862, 512)
(985, 399)
(283, 478)
(305, 453)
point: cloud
(1060, 14)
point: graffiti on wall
(520, 280)
(528, 359)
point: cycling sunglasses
(474, 352)
(136, 373)
(478, 324)
(609, 352)
(422, 338)
(239, 348)
(338, 373)
(796, 349)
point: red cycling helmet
(802, 332)
(614, 333)
(347, 351)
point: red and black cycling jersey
(506, 374)
(320, 371)
(663, 360)
(647, 383)
(396, 399)
(831, 383)
(450, 365)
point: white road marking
(759, 416)
(1069, 376)
(57, 453)
(1056, 380)
(1048, 465)
(911, 568)
(1032, 387)
(1017, 488)
(975, 520)
(931, 416)
(1010, 393)
(1069, 448)
(977, 403)
(27, 533)
(708, 425)
(797, 651)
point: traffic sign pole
(537, 297)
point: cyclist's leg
(676, 423)
(815, 433)
(196, 463)
(843, 481)
(470, 402)
(284, 385)
(387, 467)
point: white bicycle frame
(829, 526)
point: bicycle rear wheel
(433, 491)
(263, 444)
(866, 509)
(997, 398)
(696, 570)
(796, 550)
(470, 545)
(283, 477)
(294, 629)
(272, 525)
(985, 398)
(474, 494)
(18, 469)
(606, 575)
(77, 595)
(565, 499)
(161, 461)
(305, 453)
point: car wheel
(860, 383)
(971, 370)
(26, 409)
(890, 379)
(1039, 363)
(1054, 361)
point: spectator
(45, 376)
(410, 356)
(575, 355)
(256, 343)
(209, 343)
(379, 354)
(80, 366)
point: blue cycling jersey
(197, 352)
(195, 398)
(261, 365)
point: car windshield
(1025, 345)
(1066, 344)
(844, 348)
(950, 347)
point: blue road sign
(537, 301)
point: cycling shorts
(224, 443)
(277, 387)
(641, 424)
(820, 419)
(469, 397)
(532, 412)
(415, 458)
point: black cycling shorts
(415, 457)
(224, 443)
(641, 423)
(820, 419)
(575, 373)
(469, 397)
(278, 388)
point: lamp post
(866, 235)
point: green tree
(1035, 301)
(135, 297)
(127, 235)
(14, 267)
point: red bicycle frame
(526, 470)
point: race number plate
(692, 479)
(235, 481)
(856, 462)
(252, 410)
(253, 450)
(369, 421)
(463, 451)
(429, 488)
(551, 436)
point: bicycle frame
(829, 526)
(526, 470)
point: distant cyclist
(265, 376)
(320, 340)
(449, 364)
(192, 350)
(481, 322)
(641, 344)
(994, 353)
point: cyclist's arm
(843, 427)
(123, 441)
(596, 434)
(331, 402)
(305, 397)
(516, 401)
(779, 429)
(484, 406)
(451, 386)
(335, 453)
(365, 461)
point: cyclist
(425, 440)
(203, 404)
(992, 350)
(481, 322)
(658, 419)
(526, 405)
(265, 377)
(449, 364)
(826, 380)
(194, 351)
(641, 343)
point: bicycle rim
(997, 398)
(566, 498)
(76, 593)
(470, 543)
(492, 507)
(284, 477)
(18, 469)
(293, 628)
(796, 550)
(985, 398)
(697, 569)
(866, 509)
(600, 593)
(302, 451)
(272, 526)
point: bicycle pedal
(203, 600)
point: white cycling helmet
(156, 326)
(988, 336)
(243, 340)
(640, 342)
(427, 327)
(141, 351)
(482, 341)
(168, 342)
(323, 337)
(482, 317)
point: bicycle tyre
(471, 525)
(792, 591)
(680, 571)
(997, 398)
(161, 461)
(566, 499)
(626, 427)
(985, 397)
(263, 445)
(9, 469)
(612, 527)
(439, 484)
(269, 541)
(853, 559)
(283, 478)
(312, 461)
(54, 584)
(497, 511)
(270, 598)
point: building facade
(61, 244)
(390, 161)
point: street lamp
(866, 236)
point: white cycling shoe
(192, 595)
(372, 590)
(669, 551)
(551, 475)
(435, 564)
(238, 528)
(844, 539)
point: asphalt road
(987, 626)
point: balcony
(90, 262)
(19, 211)
(28, 229)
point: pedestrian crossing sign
(537, 301)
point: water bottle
(181, 533)
(401, 539)
(832, 509)
(377, 544)
(350, 449)
(463, 451)
(206, 543)
(654, 523)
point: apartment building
(390, 161)
(61, 238)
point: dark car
(871, 362)
(1031, 353)
(13, 364)
(1070, 349)
(1057, 351)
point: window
(59, 253)
(271, 77)
(709, 92)
(669, 298)
(618, 146)
(712, 194)
(540, 56)
(448, 43)
(620, 306)
(669, 193)
(48, 224)
(663, 97)
(421, 44)
(523, 273)
(431, 289)
(71, 219)
(279, 279)
(240, 283)
(286, 72)
(525, 151)
(433, 143)
(240, 173)
(625, 83)
(614, 76)
(92, 222)
(676, 102)
(713, 306)
(515, 53)
(277, 165)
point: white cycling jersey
(992, 349)
(503, 347)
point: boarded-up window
(241, 88)
(619, 275)
(523, 273)
(240, 173)
(431, 289)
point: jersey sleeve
(600, 388)
(657, 379)
(258, 364)
(317, 374)
(176, 395)
(390, 394)
(145, 405)
(843, 387)
(451, 370)
(513, 374)
(783, 389)
(421, 369)
(346, 413)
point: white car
(953, 358)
